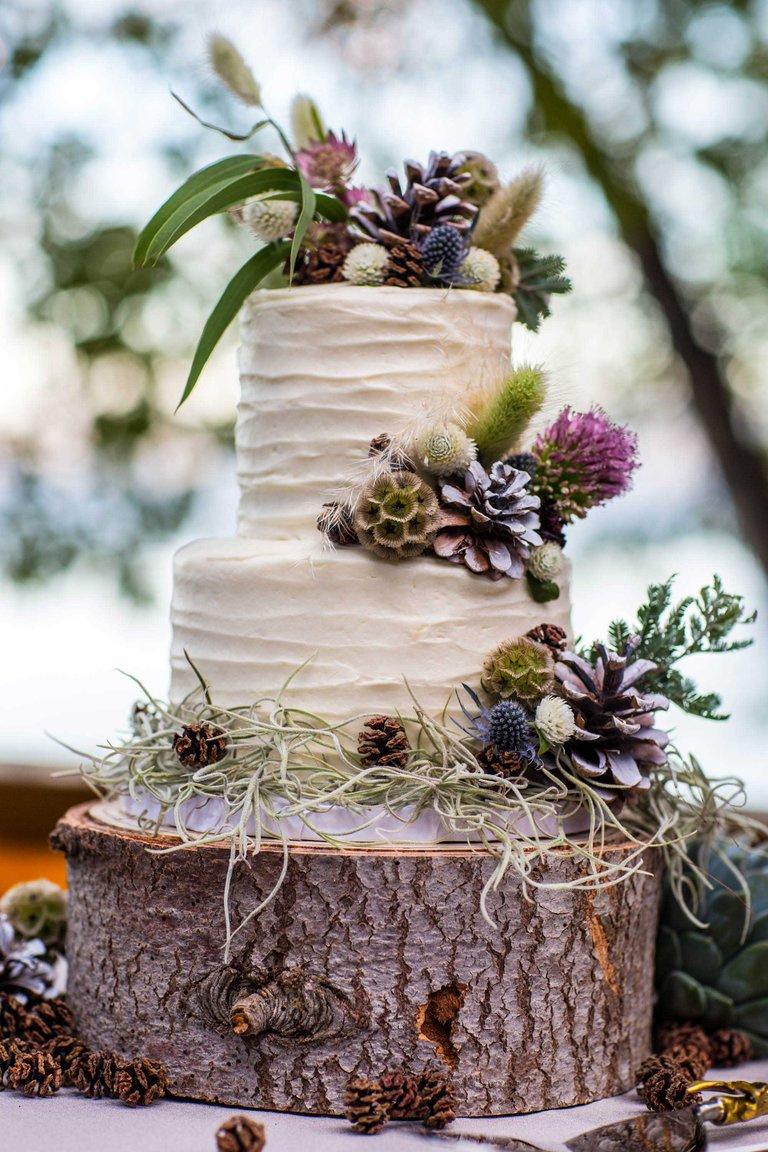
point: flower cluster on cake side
(461, 486)
(450, 223)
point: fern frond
(508, 211)
(499, 416)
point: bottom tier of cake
(366, 960)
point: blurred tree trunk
(742, 462)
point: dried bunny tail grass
(508, 211)
(284, 762)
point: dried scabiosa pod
(520, 669)
(396, 516)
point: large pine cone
(383, 741)
(198, 745)
(405, 268)
(433, 194)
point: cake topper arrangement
(449, 223)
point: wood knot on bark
(293, 1004)
(436, 1018)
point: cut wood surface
(366, 960)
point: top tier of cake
(324, 369)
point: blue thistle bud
(509, 729)
(443, 251)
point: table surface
(71, 1123)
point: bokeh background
(651, 117)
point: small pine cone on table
(8, 1053)
(551, 636)
(13, 1015)
(437, 1100)
(686, 1043)
(35, 1073)
(47, 1019)
(139, 1082)
(198, 745)
(94, 1074)
(729, 1047)
(68, 1052)
(401, 1095)
(663, 1084)
(364, 1106)
(405, 268)
(240, 1134)
(383, 741)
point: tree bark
(741, 461)
(367, 960)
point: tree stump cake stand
(367, 959)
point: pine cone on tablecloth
(685, 1042)
(94, 1075)
(198, 745)
(47, 1019)
(240, 1134)
(405, 268)
(34, 1073)
(8, 1052)
(139, 1082)
(551, 635)
(662, 1084)
(401, 1095)
(68, 1052)
(13, 1016)
(729, 1047)
(364, 1106)
(437, 1100)
(337, 522)
(383, 741)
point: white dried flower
(269, 219)
(480, 270)
(306, 122)
(232, 70)
(555, 720)
(444, 449)
(37, 909)
(546, 562)
(366, 264)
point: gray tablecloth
(70, 1123)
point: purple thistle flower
(583, 460)
(328, 163)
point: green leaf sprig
(668, 633)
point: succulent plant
(518, 668)
(366, 264)
(444, 449)
(546, 561)
(614, 740)
(37, 910)
(717, 976)
(480, 270)
(489, 521)
(396, 515)
(432, 195)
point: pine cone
(687, 1044)
(364, 1106)
(401, 1095)
(438, 1103)
(380, 444)
(47, 1019)
(383, 741)
(8, 1052)
(34, 1073)
(68, 1052)
(663, 1084)
(551, 635)
(504, 764)
(405, 268)
(139, 1082)
(338, 524)
(240, 1134)
(13, 1016)
(94, 1075)
(198, 745)
(729, 1047)
(321, 265)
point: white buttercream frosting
(325, 369)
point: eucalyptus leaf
(214, 175)
(208, 203)
(234, 296)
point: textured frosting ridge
(323, 369)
